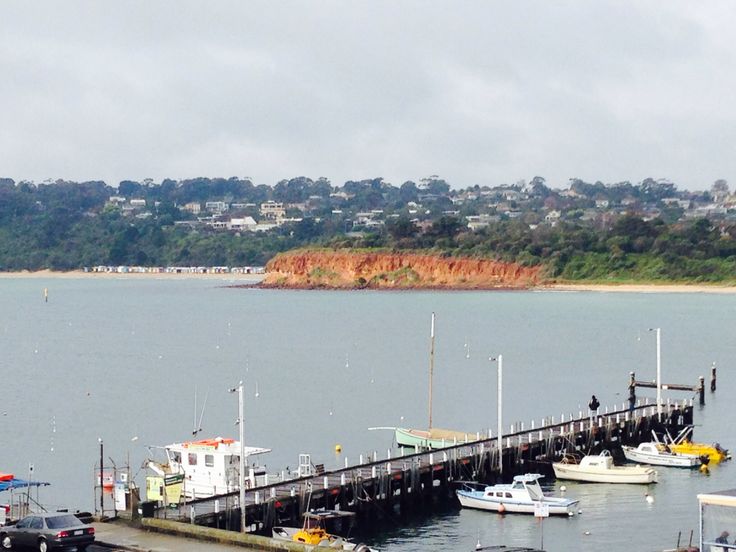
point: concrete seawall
(198, 532)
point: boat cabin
(603, 462)
(717, 517)
(530, 483)
(523, 485)
(210, 466)
(648, 448)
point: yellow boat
(314, 536)
(714, 452)
(683, 445)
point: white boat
(659, 455)
(521, 496)
(313, 534)
(202, 468)
(599, 468)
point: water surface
(119, 359)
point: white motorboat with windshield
(659, 454)
(521, 496)
(599, 468)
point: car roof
(46, 515)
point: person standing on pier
(593, 405)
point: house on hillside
(244, 223)
(272, 210)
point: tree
(719, 190)
(401, 228)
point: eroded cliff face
(349, 270)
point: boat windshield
(534, 490)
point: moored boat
(313, 533)
(599, 468)
(431, 439)
(200, 469)
(521, 496)
(682, 444)
(658, 454)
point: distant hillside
(385, 270)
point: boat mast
(431, 371)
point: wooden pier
(397, 486)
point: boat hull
(435, 439)
(662, 459)
(477, 500)
(632, 475)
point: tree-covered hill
(647, 231)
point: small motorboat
(599, 468)
(684, 445)
(521, 496)
(659, 454)
(313, 533)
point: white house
(245, 223)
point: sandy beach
(642, 288)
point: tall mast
(431, 371)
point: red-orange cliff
(340, 269)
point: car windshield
(67, 520)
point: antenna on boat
(431, 371)
(198, 425)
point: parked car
(47, 532)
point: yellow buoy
(338, 449)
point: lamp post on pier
(499, 360)
(659, 372)
(241, 436)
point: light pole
(241, 436)
(500, 410)
(659, 372)
(102, 486)
(431, 372)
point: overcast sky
(476, 92)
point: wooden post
(701, 389)
(713, 378)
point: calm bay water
(120, 359)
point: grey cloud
(478, 92)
